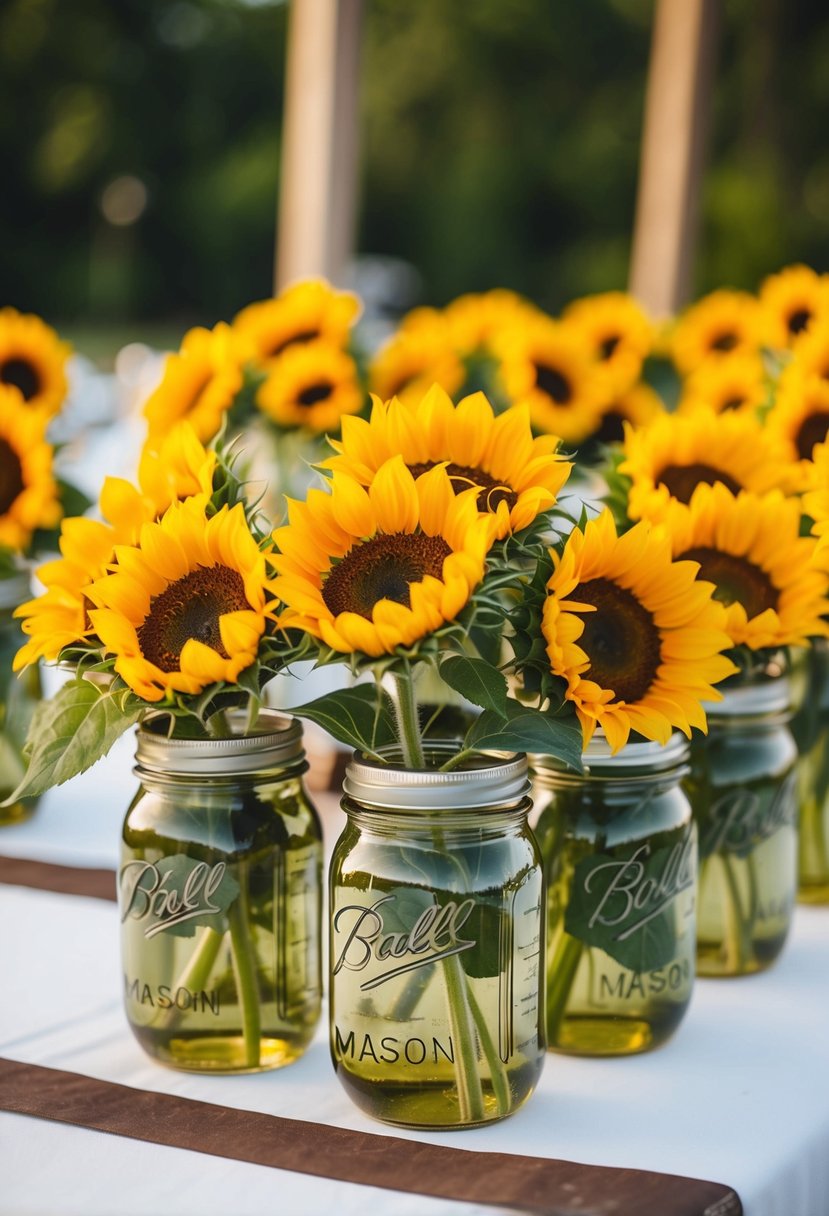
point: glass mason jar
(19, 697)
(810, 727)
(743, 787)
(436, 932)
(220, 897)
(620, 860)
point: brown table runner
(66, 880)
(529, 1184)
(545, 1186)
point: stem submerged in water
(244, 970)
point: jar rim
(751, 700)
(274, 741)
(638, 757)
(489, 780)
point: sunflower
(176, 466)
(59, 617)
(304, 312)
(736, 382)
(635, 635)
(199, 383)
(312, 385)
(617, 330)
(549, 365)
(33, 360)
(421, 353)
(475, 320)
(518, 476)
(722, 323)
(668, 459)
(750, 547)
(29, 495)
(186, 606)
(372, 569)
(791, 302)
(799, 419)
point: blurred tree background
(500, 141)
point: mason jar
(436, 941)
(620, 863)
(743, 787)
(810, 727)
(220, 898)
(19, 697)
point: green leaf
(476, 680)
(528, 730)
(624, 901)
(360, 717)
(71, 731)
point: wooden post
(318, 180)
(683, 52)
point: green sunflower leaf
(72, 730)
(476, 680)
(524, 729)
(360, 717)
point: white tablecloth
(739, 1096)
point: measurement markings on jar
(525, 965)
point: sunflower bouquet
(715, 489)
(162, 607)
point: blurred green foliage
(499, 147)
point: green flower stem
(562, 973)
(459, 758)
(738, 939)
(244, 970)
(500, 1084)
(813, 827)
(470, 1091)
(408, 727)
(462, 1003)
(196, 973)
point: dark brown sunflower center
(608, 347)
(813, 430)
(732, 403)
(11, 476)
(798, 320)
(682, 479)
(315, 393)
(190, 608)
(20, 374)
(463, 476)
(620, 639)
(304, 335)
(724, 342)
(383, 569)
(552, 382)
(737, 580)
